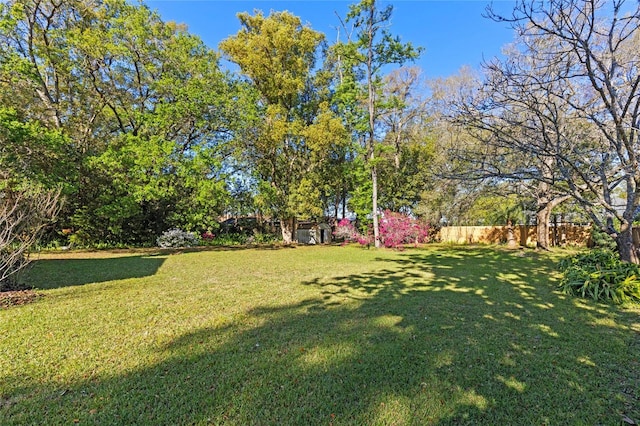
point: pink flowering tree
(346, 230)
(397, 229)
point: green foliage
(493, 208)
(602, 240)
(276, 53)
(361, 61)
(263, 238)
(373, 39)
(239, 238)
(290, 147)
(34, 168)
(141, 108)
(600, 275)
(32, 154)
(360, 201)
(229, 239)
(400, 188)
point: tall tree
(144, 104)
(32, 175)
(407, 149)
(569, 96)
(404, 107)
(296, 131)
(502, 149)
(373, 48)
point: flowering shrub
(207, 236)
(397, 229)
(174, 238)
(364, 240)
(345, 230)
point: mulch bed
(17, 297)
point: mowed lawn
(315, 336)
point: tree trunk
(546, 204)
(288, 227)
(376, 226)
(624, 241)
(542, 229)
(396, 154)
(344, 203)
(371, 104)
(511, 238)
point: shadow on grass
(68, 271)
(57, 273)
(443, 337)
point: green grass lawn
(315, 336)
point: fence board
(525, 235)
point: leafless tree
(491, 144)
(566, 103)
(404, 106)
(23, 216)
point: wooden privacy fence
(568, 234)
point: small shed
(313, 233)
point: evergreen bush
(601, 276)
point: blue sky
(453, 33)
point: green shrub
(600, 239)
(600, 275)
(263, 238)
(230, 239)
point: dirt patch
(17, 298)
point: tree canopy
(144, 106)
(139, 128)
(297, 131)
(562, 110)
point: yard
(315, 335)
